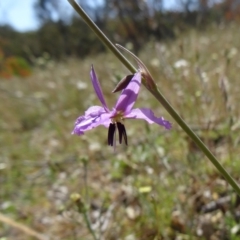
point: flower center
(118, 117)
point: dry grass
(160, 186)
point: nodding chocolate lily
(114, 119)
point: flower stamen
(111, 132)
(122, 133)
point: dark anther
(111, 131)
(122, 133)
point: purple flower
(114, 119)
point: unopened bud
(123, 83)
(143, 69)
(77, 199)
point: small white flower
(155, 62)
(81, 85)
(181, 63)
(233, 51)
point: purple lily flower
(114, 119)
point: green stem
(83, 209)
(159, 96)
(196, 139)
(89, 226)
(102, 36)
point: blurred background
(54, 185)
(31, 28)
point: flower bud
(123, 83)
(150, 84)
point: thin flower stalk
(159, 96)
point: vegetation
(160, 186)
(135, 22)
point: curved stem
(102, 36)
(159, 96)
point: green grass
(158, 186)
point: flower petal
(91, 120)
(129, 95)
(97, 88)
(94, 111)
(147, 115)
